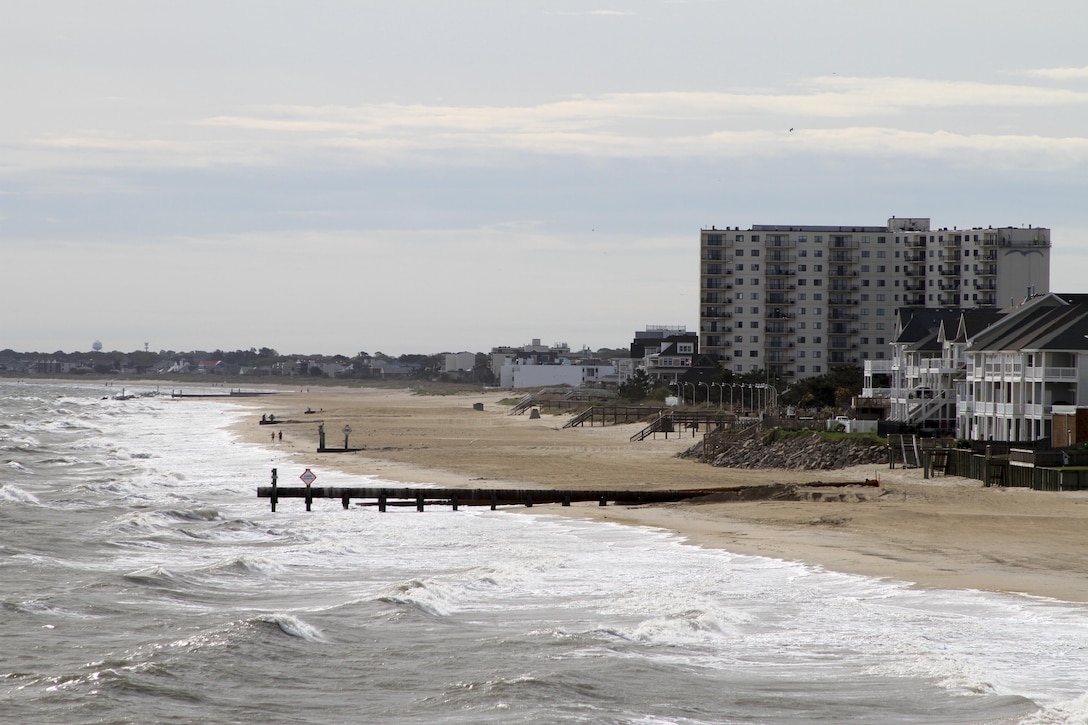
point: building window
(881, 268)
(740, 252)
(738, 338)
(818, 253)
(740, 267)
(817, 339)
(817, 295)
(865, 297)
(880, 341)
(754, 338)
(816, 354)
(754, 324)
(755, 252)
(816, 369)
(881, 297)
(753, 353)
(864, 268)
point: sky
(425, 176)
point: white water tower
(96, 346)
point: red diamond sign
(308, 477)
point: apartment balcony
(915, 286)
(843, 243)
(842, 301)
(915, 242)
(780, 299)
(1051, 375)
(948, 270)
(839, 286)
(911, 256)
(772, 243)
(717, 315)
(779, 315)
(842, 258)
(773, 344)
(777, 328)
(841, 315)
(841, 271)
(775, 256)
(986, 285)
(777, 270)
(838, 328)
(914, 300)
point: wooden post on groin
(274, 497)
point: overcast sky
(326, 176)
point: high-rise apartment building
(799, 300)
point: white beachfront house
(1019, 368)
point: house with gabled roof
(1020, 367)
(927, 369)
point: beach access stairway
(716, 441)
(676, 421)
(612, 415)
(561, 400)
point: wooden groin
(383, 497)
(228, 394)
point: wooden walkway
(675, 421)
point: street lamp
(707, 392)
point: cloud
(831, 114)
(1057, 73)
(588, 12)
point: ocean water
(142, 581)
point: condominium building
(799, 300)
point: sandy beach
(944, 532)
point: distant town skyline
(418, 177)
